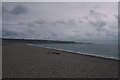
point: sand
(23, 61)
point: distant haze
(69, 21)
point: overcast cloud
(61, 21)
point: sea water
(101, 50)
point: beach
(24, 61)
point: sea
(100, 50)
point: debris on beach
(53, 53)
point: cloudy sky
(70, 21)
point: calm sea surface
(102, 50)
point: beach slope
(23, 61)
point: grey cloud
(67, 22)
(55, 22)
(95, 19)
(98, 19)
(71, 22)
(100, 29)
(80, 21)
(40, 21)
(62, 21)
(21, 23)
(94, 13)
(116, 16)
(5, 10)
(31, 24)
(19, 9)
(15, 31)
(97, 23)
(11, 34)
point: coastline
(78, 53)
(20, 60)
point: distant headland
(36, 41)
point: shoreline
(23, 61)
(78, 53)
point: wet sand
(23, 61)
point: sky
(69, 21)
